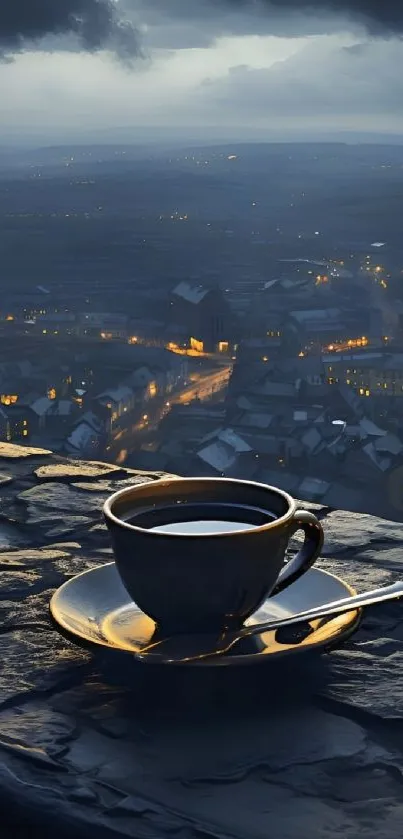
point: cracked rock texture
(99, 745)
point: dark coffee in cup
(200, 519)
(202, 554)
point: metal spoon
(182, 649)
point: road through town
(202, 386)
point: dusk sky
(75, 66)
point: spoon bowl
(184, 649)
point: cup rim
(270, 525)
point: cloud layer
(180, 23)
(95, 23)
(198, 22)
(215, 63)
(325, 87)
(382, 14)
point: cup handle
(304, 559)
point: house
(367, 373)
(261, 321)
(205, 314)
(16, 380)
(119, 400)
(15, 423)
(105, 325)
(222, 451)
(56, 323)
(83, 441)
(306, 370)
(146, 331)
(40, 409)
(188, 425)
(60, 417)
(274, 389)
(142, 377)
(325, 327)
(150, 382)
(29, 304)
(253, 350)
(99, 424)
(254, 421)
(119, 363)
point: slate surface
(98, 745)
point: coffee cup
(202, 554)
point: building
(119, 400)
(15, 424)
(147, 331)
(321, 328)
(40, 409)
(86, 438)
(56, 323)
(205, 314)
(253, 350)
(117, 362)
(367, 373)
(105, 325)
(223, 451)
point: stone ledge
(96, 745)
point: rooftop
(80, 437)
(116, 394)
(41, 406)
(191, 292)
(304, 316)
(384, 360)
(269, 388)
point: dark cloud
(95, 24)
(383, 14)
(177, 24)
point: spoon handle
(190, 648)
(337, 607)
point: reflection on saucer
(294, 635)
(94, 609)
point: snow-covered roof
(218, 455)
(117, 394)
(81, 436)
(233, 440)
(368, 427)
(300, 416)
(382, 463)
(142, 376)
(223, 451)
(269, 388)
(315, 315)
(313, 486)
(389, 444)
(191, 292)
(256, 420)
(91, 419)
